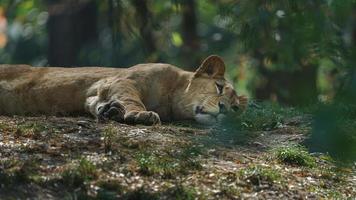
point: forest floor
(78, 158)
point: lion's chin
(208, 119)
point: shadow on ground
(74, 158)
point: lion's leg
(136, 113)
(105, 110)
(128, 109)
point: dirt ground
(78, 158)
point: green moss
(294, 155)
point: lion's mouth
(204, 117)
(200, 110)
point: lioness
(142, 94)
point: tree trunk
(146, 29)
(71, 24)
(191, 45)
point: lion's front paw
(112, 110)
(142, 117)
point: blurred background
(298, 53)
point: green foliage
(334, 131)
(295, 155)
(262, 117)
(266, 117)
(26, 35)
(242, 127)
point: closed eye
(220, 88)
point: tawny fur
(170, 92)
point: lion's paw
(142, 117)
(112, 110)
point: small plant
(85, 171)
(257, 174)
(32, 130)
(295, 155)
(182, 193)
(150, 164)
(109, 134)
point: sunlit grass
(294, 155)
(257, 174)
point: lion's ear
(213, 66)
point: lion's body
(29, 90)
(136, 94)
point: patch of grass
(242, 128)
(263, 117)
(109, 189)
(32, 130)
(294, 155)
(168, 166)
(333, 194)
(13, 171)
(182, 193)
(139, 194)
(230, 192)
(108, 134)
(186, 158)
(257, 174)
(150, 164)
(84, 171)
(4, 127)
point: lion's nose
(222, 107)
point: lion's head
(209, 96)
